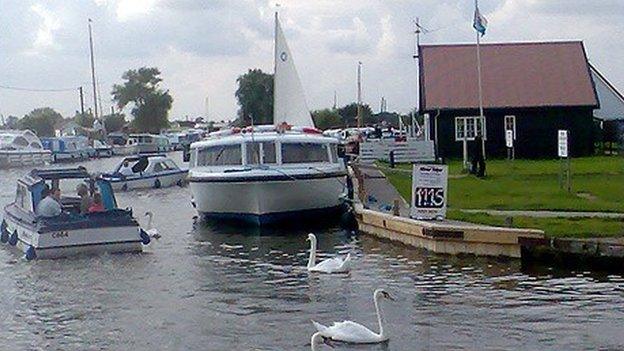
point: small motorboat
(146, 171)
(68, 148)
(102, 149)
(105, 229)
(21, 148)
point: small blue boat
(68, 148)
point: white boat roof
(264, 136)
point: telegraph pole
(359, 97)
(81, 101)
(95, 102)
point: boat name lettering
(61, 234)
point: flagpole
(481, 116)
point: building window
(510, 124)
(469, 127)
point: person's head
(97, 198)
(126, 163)
(56, 193)
(82, 190)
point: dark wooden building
(533, 89)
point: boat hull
(125, 150)
(154, 181)
(11, 158)
(72, 242)
(269, 200)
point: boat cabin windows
(20, 141)
(260, 153)
(304, 153)
(223, 155)
(333, 149)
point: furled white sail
(289, 104)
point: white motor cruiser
(146, 171)
(105, 229)
(21, 148)
(271, 173)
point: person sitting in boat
(97, 205)
(49, 206)
(85, 199)
(125, 169)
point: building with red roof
(533, 89)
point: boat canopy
(19, 140)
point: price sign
(429, 191)
(562, 143)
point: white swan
(332, 265)
(356, 333)
(318, 339)
(152, 232)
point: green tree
(255, 97)
(150, 103)
(114, 122)
(41, 121)
(349, 114)
(84, 120)
(326, 119)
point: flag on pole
(479, 23)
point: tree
(349, 114)
(114, 122)
(11, 122)
(255, 97)
(41, 121)
(84, 120)
(151, 104)
(326, 119)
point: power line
(8, 87)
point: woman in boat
(97, 205)
(85, 199)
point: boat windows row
(265, 153)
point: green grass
(553, 227)
(597, 185)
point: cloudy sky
(202, 46)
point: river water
(207, 286)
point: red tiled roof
(513, 75)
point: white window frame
(475, 120)
(512, 118)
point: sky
(203, 46)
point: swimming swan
(152, 232)
(318, 339)
(356, 333)
(332, 265)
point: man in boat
(49, 206)
(125, 169)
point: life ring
(31, 253)
(157, 184)
(13, 238)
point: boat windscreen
(141, 165)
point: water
(214, 287)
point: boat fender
(180, 183)
(157, 184)
(4, 232)
(145, 238)
(124, 187)
(31, 253)
(13, 239)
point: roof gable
(517, 75)
(611, 100)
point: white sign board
(563, 143)
(509, 138)
(429, 191)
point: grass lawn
(597, 185)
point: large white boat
(21, 148)
(149, 143)
(270, 173)
(107, 229)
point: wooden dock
(440, 236)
